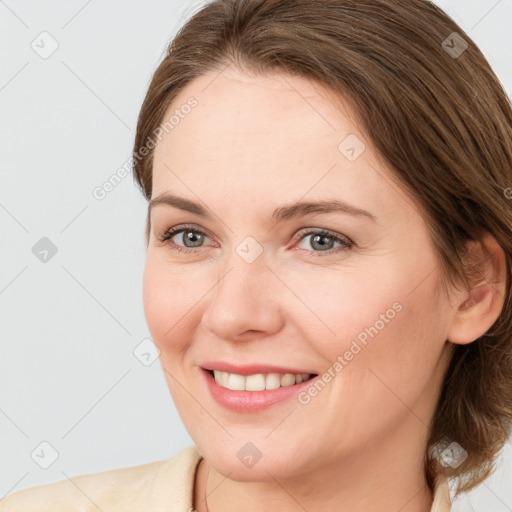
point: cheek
(397, 367)
(339, 306)
(392, 301)
(385, 332)
(167, 300)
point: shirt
(161, 486)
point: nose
(242, 305)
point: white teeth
(255, 382)
(258, 381)
(221, 377)
(272, 381)
(287, 379)
(236, 382)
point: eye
(324, 240)
(192, 238)
(189, 235)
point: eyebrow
(299, 209)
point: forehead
(270, 138)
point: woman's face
(267, 285)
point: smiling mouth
(258, 381)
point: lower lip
(251, 401)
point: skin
(252, 144)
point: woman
(328, 262)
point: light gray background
(68, 327)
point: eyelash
(171, 232)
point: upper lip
(250, 369)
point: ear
(478, 309)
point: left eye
(324, 241)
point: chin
(244, 461)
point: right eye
(193, 236)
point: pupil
(318, 238)
(191, 235)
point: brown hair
(441, 120)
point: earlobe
(479, 308)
